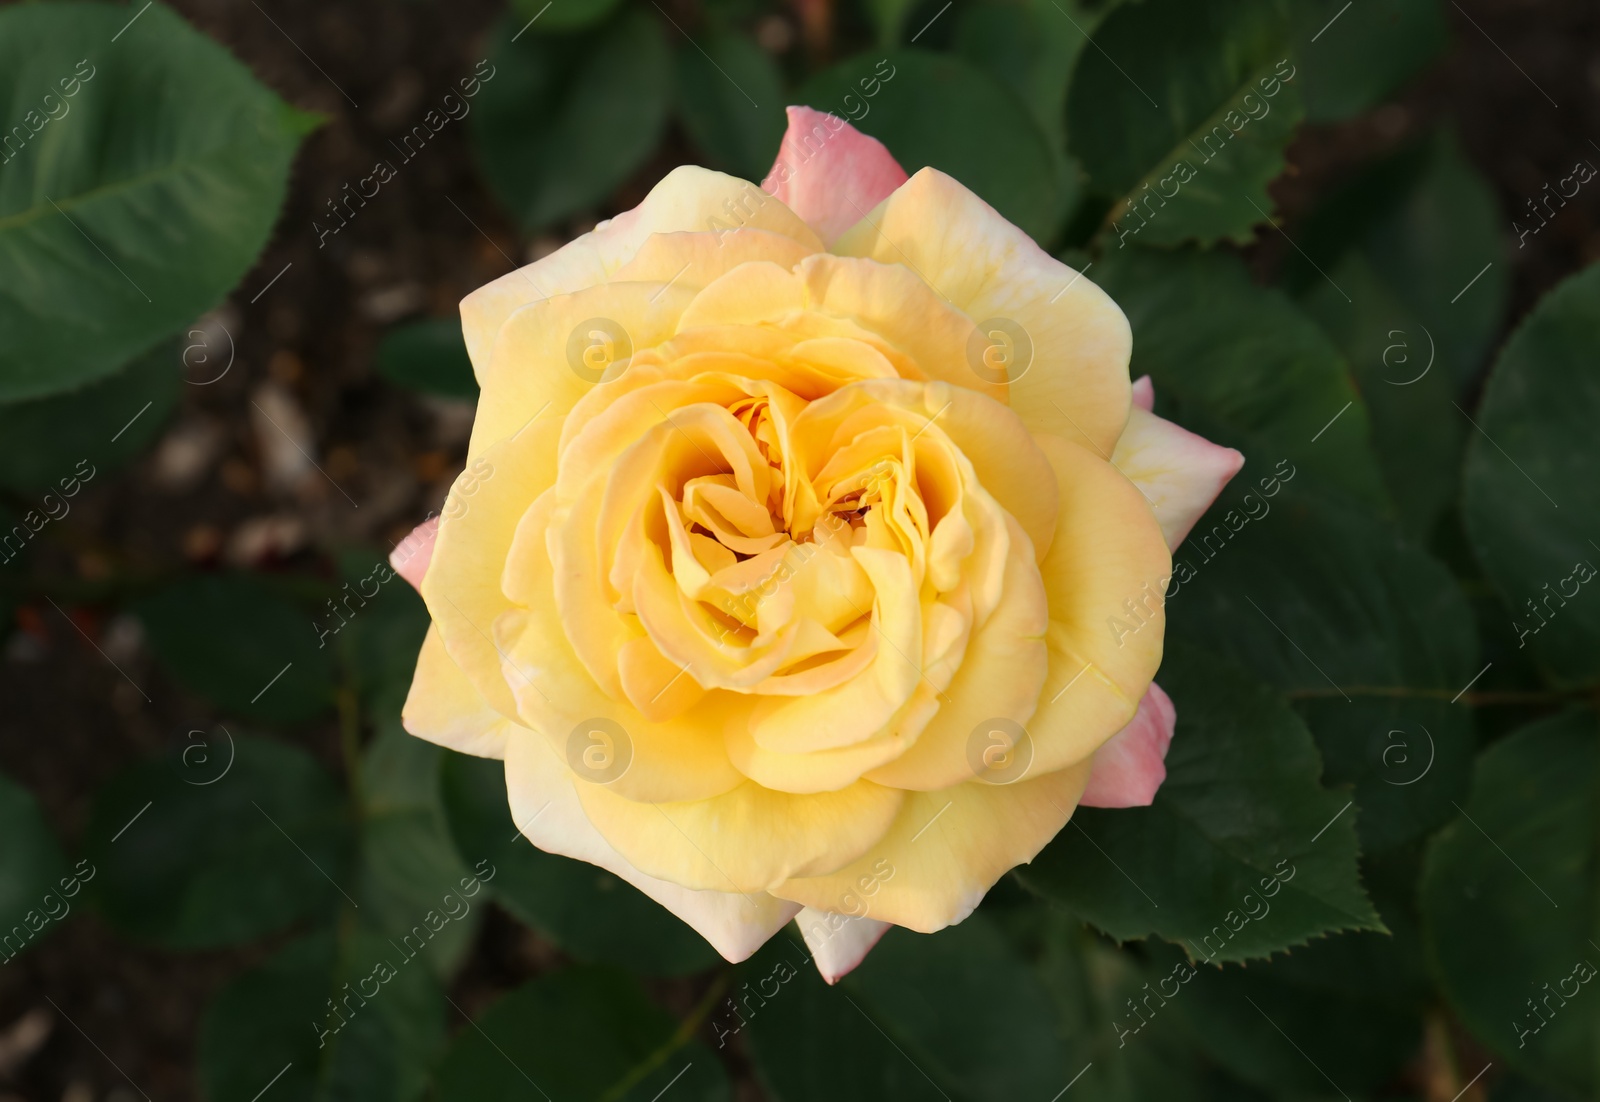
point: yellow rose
(811, 543)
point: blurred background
(269, 390)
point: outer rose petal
(1144, 393)
(1130, 768)
(1074, 384)
(411, 557)
(444, 708)
(838, 942)
(546, 810)
(829, 173)
(1180, 473)
(687, 198)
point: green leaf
(1401, 242)
(889, 16)
(730, 99)
(957, 1014)
(232, 839)
(928, 108)
(1355, 59)
(385, 625)
(543, 17)
(240, 643)
(428, 355)
(36, 889)
(328, 1017)
(1509, 907)
(587, 911)
(410, 879)
(567, 120)
(1096, 986)
(1411, 232)
(1351, 1005)
(1032, 47)
(1530, 495)
(142, 204)
(1241, 825)
(1243, 366)
(104, 425)
(1371, 638)
(1182, 113)
(581, 1033)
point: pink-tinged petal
(1144, 393)
(838, 942)
(830, 173)
(411, 556)
(1130, 767)
(1179, 473)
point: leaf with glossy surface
(232, 839)
(1530, 494)
(241, 643)
(544, 17)
(1244, 367)
(428, 355)
(580, 1033)
(1242, 824)
(730, 99)
(1356, 55)
(956, 1014)
(329, 1017)
(1182, 113)
(1370, 637)
(1508, 902)
(36, 889)
(927, 109)
(140, 198)
(1402, 241)
(587, 911)
(103, 426)
(566, 120)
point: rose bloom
(809, 558)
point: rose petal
(829, 173)
(1144, 393)
(545, 808)
(1179, 473)
(688, 198)
(1130, 768)
(1068, 376)
(444, 708)
(411, 556)
(838, 942)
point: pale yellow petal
(1000, 677)
(550, 354)
(746, 840)
(546, 809)
(946, 849)
(1109, 557)
(1075, 383)
(479, 520)
(687, 198)
(444, 708)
